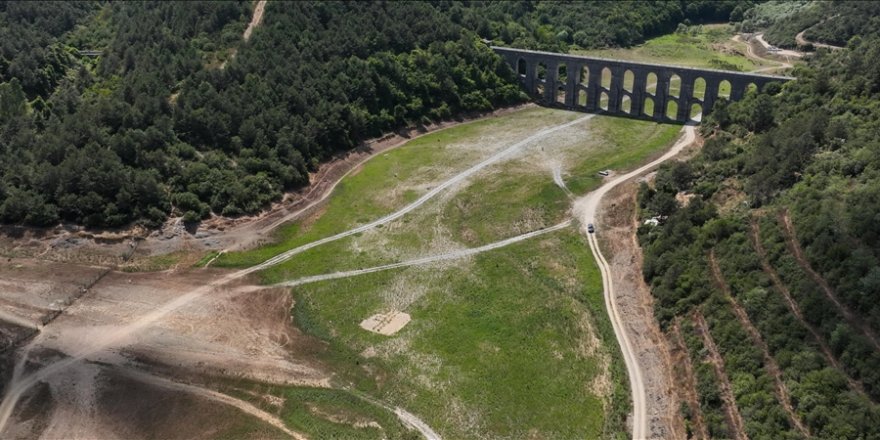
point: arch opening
(752, 88)
(561, 80)
(696, 113)
(582, 98)
(585, 76)
(540, 79)
(674, 86)
(724, 89)
(521, 67)
(606, 78)
(629, 79)
(648, 107)
(699, 90)
(672, 110)
(626, 104)
(603, 101)
(651, 84)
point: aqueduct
(641, 90)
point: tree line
(179, 116)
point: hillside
(767, 257)
(167, 122)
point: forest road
(585, 210)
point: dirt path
(734, 419)
(759, 37)
(618, 222)
(213, 396)
(256, 19)
(801, 41)
(689, 390)
(782, 394)
(795, 248)
(750, 53)
(585, 210)
(796, 310)
(459, 178)
(426, 260)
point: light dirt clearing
(256, 19)
(618, 222)
(386, 323)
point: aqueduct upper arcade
(642, 90)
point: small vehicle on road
(590, 228)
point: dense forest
(778, 216)
(179, 116)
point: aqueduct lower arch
(665, 91)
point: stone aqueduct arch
(547, 89)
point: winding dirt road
(585, 210)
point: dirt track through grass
(427, 260)
(122, 334)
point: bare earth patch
(386, 323)
(618, 224)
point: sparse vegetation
(706, 46)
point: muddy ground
(237, 331)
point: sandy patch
(386, 323)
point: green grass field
(514, 342)
(707, 46)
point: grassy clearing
(707, 46)
(625, 143)
(511, 343)
(321, 412)
(393, 179)
(505, 200)
(503, 345)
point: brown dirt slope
(734, 418)
(769, 362)
(618, 225)
(686, 380)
